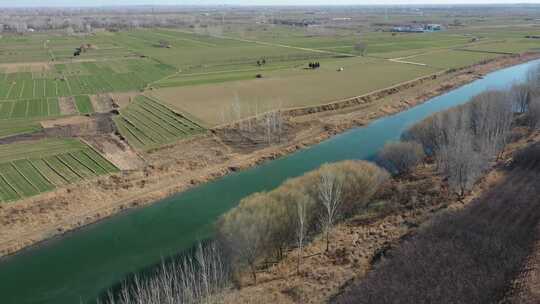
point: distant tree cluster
(314, 65)
(265, 224)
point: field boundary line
(56, 171)
(81, 163)
(41, 173)
(187, 39)
(95, 162)
(59, 158)
(484, 51)
(9, 91)
(24, 176)
(11, 186)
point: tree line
(464, 140)
(264, 226)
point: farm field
(30, 168)
(41, 47)
(69, 79)
(18, 126)
(31, 108)
(83, 104)
(212, 103)
(146, 124)
(447, 59)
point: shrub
(264, 224)
(400, 157)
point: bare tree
(197, 278)
(533, 78)
(521, 95)
(491, 116)
(330, 197)
(301, 206)
(273, 127)
(533, 115)
(462, 165)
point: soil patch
(116, 151)
(102, 103)
(67, 105)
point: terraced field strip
(146, 124)
(27, 169)
(71, 79)
(29, 108)
(84, 105)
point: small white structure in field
(340, 70)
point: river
(76, 268)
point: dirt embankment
(361, 242)
(191, 162)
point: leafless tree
(301, 206)
(330, 197)
(273, 122)
(193, 279)
(521, 95)
(461, 164)
(533, 78)
(533, 115)
(491, 116)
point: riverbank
(189, 163)
(405, 204)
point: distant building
(408, 29)
(422, 28)
(433, 27)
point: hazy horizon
(97, 3)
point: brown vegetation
(265, 225)
(464, 257)
(401, 157)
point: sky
(23, 3)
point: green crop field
(30, 168)
(146, 124)
(71, 79)
(30, 108)
(18, 126)
(83, 104)
(205, 71)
